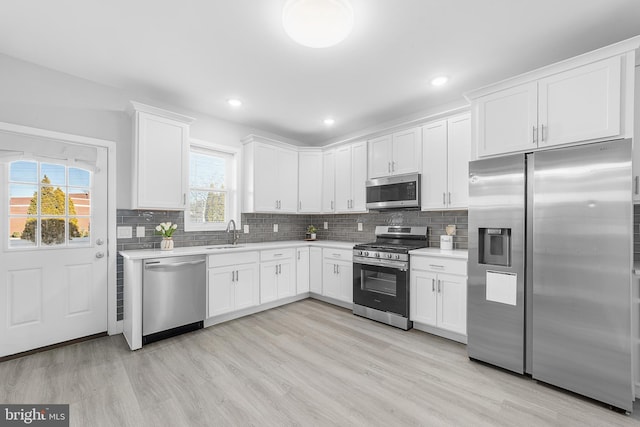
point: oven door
(382, 287)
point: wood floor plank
(304, 364)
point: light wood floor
(307, 363)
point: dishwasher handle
(157, 264)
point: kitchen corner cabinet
(580, 104)
(395, 154)
(232, 282)
(350, 178)
(337, 274)
(438, 289)
(310, 182)
(328, 181)
(160, 158)
(271, 177)
(277, 274)
(446, 154)
(315, 270)
(302, 270)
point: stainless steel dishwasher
(173, 296)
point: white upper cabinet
(160, 158)
(270, 177)
(328, 181)
(446, 154)
(395, 154)
(580, 104)
(310, 181)
(351, 177)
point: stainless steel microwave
(394, 192)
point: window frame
(233, 185)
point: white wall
(39, 97)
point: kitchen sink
(225, 247)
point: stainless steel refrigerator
(549, 272)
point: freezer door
(495, 294)
(582, 240)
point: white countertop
(242, 247)
(437, 252)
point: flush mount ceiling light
(234, 102)
(329, 121)
(317, 23)
(439, 81)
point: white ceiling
(197, 53)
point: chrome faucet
(234, 237)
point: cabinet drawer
(340, 254)
(276, 254)
(235, 258)
(439, 265)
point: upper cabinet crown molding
(616, 49)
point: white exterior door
(54, 269)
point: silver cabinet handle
(276, 268)
(337, 255)
(298, 255)
(233, 276)
(276, 204)
(334, 269)
(389, 167)
(337, 269)
(637, 184)
(332, 205)
(533, 135)
(300, 205)
(444, 199)
(277, 255)
(184, 198)
(433, 285)
(542, 132)
(393, 166)
(436, 266)
(237, 275)
(449, 197)
(439, 286)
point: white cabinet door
(452, 303)
(287, 188)
(507, 120)
(343, 179)
(423, 299)
(330, 279)
(221, 291)
(434, 165)
(580, 104)
(328, 181)
(302, 270)
(246, 286)
(266, 179)
(458, 155)
(406, 150)
(268, 282)
(380, 156)
(345, 280)
(285, 278)
(358, 177)
(160, 162)
(310, 175)
(315, 270)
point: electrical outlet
(246, 229)
(359, 226)
(124, 232)
(140, 231)
(326, 225)
(275, 228)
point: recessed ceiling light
(439, 81)
(234, 102)
(317, 23)
(329, 121)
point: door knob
(100, 255)
(100, 242)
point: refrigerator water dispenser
(494, 246)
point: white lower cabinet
(232, 283)
(337, 274)
(439, 293)
(315, 270)
(277, 273)
(302, 270)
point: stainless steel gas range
(381, 274)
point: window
(213, 198)
(49, 205)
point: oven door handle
(402, 266)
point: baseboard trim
(440, 332)
(253, 310)
(343, 304)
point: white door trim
(113, 325)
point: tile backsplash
(341, 227)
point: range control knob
(397, 256)
(366, 253)
(389, 256)
(377, 255)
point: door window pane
(17, 236)
(53, 231)
(23, 199)
(23, 171)
(79, 177)
(52, 174)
